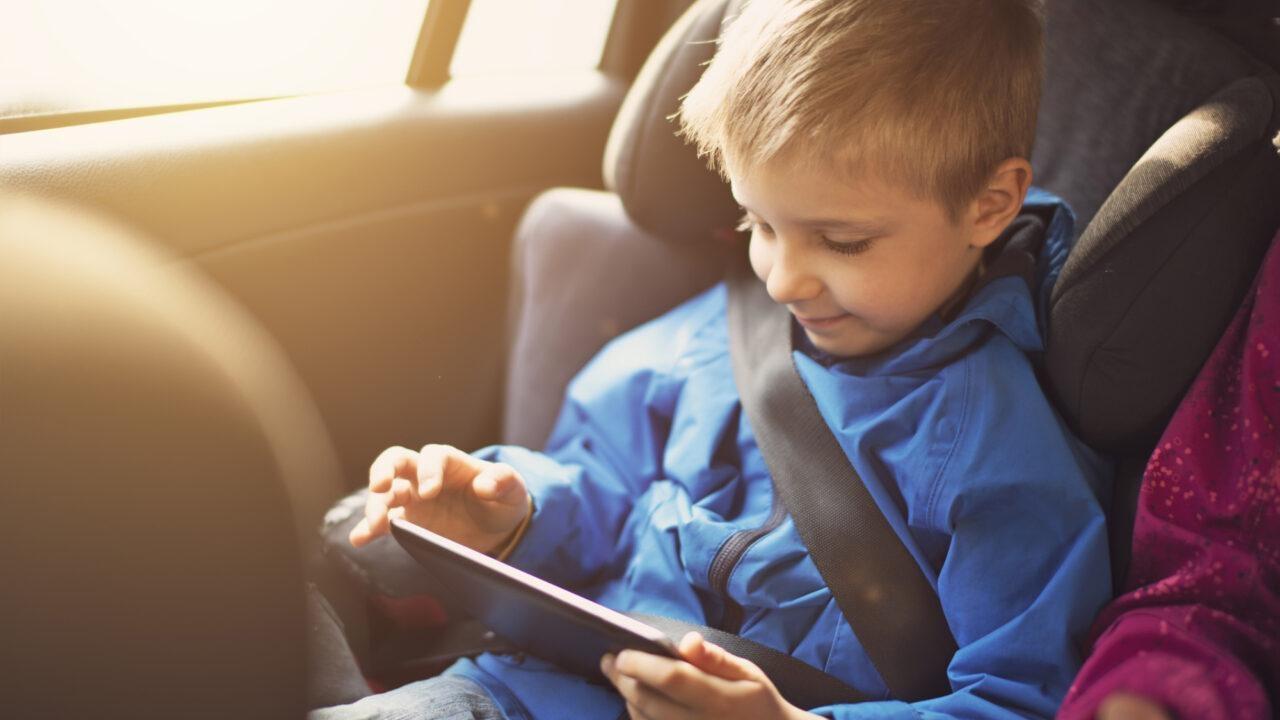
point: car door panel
(369, 231)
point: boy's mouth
(820, 323)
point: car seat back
(150, 436)
(1158, 131)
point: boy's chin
(849, 345)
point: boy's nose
(788, 281)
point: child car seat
(1159, 133)
(1156, 130)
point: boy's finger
(391, 463)
(363, 532)
(642, 702)
(359, 534)
(375, 514)
(401, 492)
(441, 464)
(645, 703)
(499, 482)
(693, 648)
(712, 658)
(678, 680)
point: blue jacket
(652, 467)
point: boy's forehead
(805, 194)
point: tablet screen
(538, 617)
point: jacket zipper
(727, 558)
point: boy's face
(859, 265)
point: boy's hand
(1125, 706)
(447, 491)
(708, 683)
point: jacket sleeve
(605, 451)
(1186, 658)
(1027, 566)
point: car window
(81, 55)
(519, 36)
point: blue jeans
(445, 697)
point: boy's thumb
(713, 659)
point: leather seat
(155, 445)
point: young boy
(878, 149)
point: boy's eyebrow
(861, 226)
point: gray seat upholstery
(1117, 75)
(560, 245)
(154, 446)
(1157, 130)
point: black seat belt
(884, 595)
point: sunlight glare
(62, 55)
(523, 36)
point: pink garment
(1199, 629)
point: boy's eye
(746, 224)
(853, 247)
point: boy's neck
(954, 304)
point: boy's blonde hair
(929, 94)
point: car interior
(215, 318)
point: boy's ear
(999, 202)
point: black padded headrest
(1157, 275)
(665, 188)
(1158, 132)
(1118, 73)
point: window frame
(632, 32)
(441, 28)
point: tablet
(530, 613)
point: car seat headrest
(1156, 276)
(665, 187)
(1118, 73)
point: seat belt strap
(882, 591)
